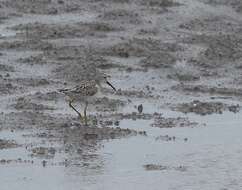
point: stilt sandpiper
(85, 91)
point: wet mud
(180, 60)
(204, 108)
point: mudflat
(180, 59)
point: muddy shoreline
(181, 60)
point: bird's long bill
(111, 85)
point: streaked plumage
(84, 91)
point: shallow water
(210, 158)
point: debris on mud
(76, 30)
(168, 138)
(43, 152)
(163, 122)
(16, 161)
(165, 138)
(205, 108)
(207, 89)
(5, 144)
(156, 167)
(152, 167)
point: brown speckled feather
(86, 88)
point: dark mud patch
(25, 45)
(32, 82)
(133, 116)
(96, 133)
(26, 104)
(3, 15)
(207, 89)
(81, 57)
(124, 50)
(63, 125)
(6, 68)
(15, 161)
(159, 60)
(108, 65)
(114, 1)
(46, 96)
(122, 16)
(206, 108)
(236, 4)
(134, 93)
(7, 87)
(156, 167)
(165, 138)
(168, 138)
(30, 119)
(159, 3)
(43, 152)
(44, 6)
(219, 49)
(140, 47)
(32, 60)
(163, 122)
(5, 144)
(67, 53)
(184, 77)
(148, 31)
(107, 104)
(216, 24)
(54, 31)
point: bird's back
(84, 89)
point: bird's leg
(85, 113)
(70, 104)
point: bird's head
(103, 78)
